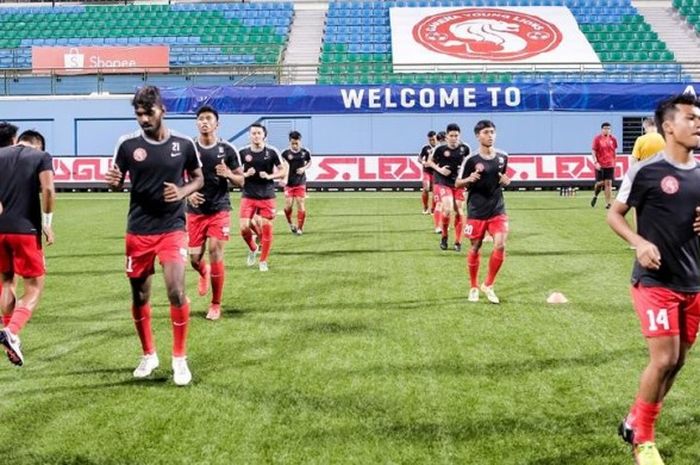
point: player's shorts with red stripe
(295, 192)
(476, 229)
(22, 254)
(455, 193)
(262, 207)
(427, 177)
(665, 312)
(216, 225)
(142, 250)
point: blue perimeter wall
(90, 126)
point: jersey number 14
(658, 319)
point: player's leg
(473, 260)
(23, 256)
(431, 192)
(301, 213)
(608, 192)
(267, 215)
(174, 275)
(460, 219)
(447, 203)
(658, 310)
(218, 276)
(196, 232)
(425, 193)
(498, 256)
(597, 187)
(245, 217)
(288, 208)
(437, 210)
(7, 297)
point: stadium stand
(690, 9)
(198, 34)
(357, 45)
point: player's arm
(115, 174)
(648, 254)
(306, 165)
(504, 179)
(48, 201)
(467, 180)
(231, 167)
(282, 169)
(193, 166)
(445, 171)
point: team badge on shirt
(140, 154)
(669, 185)
(289, 157)
(479, 167)
(447, 153)
(248, 158)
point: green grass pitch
(358, 347)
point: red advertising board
(526, 170)
(93, 60)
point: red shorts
(427, 177)
(262, 207)
(441, 192)
(216, 225)
(476, 229)
(22, 254)
(664, 312)
(142, 250)
(298, 192)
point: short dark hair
(667, 108)
(33, 137)
(605, 125)
(8, 131)
(208, 109)
(649, 120)
(441, 135)
(294, 135)
(258, 125)
(452, 127)
(147, 97)
(483, 124)
(432, 133)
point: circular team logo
(248, 158)
(669, 185)
(491, 34)
(447, 153)
(289, 157)
(140, 154)
(479, 167)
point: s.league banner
(93, 60)
(487, 35)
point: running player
(24, 171)
(156, 159)
(209, 209)
(437, 216)
(298, 160)
(258, 194)
(427, 172)
(484, 176)
(665, 190)
(446, 160)
(604, 147)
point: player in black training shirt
(445, 160)
(484, 176)
(423, 157)
(665, 191)
(262, 164)
(298, 160)
(209, 209)
(156, 160)
(24, 171)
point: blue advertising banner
(423, 99)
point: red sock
(445, 225)
(437, 217)
(266, 241)
(247, 236)
(495, 262)
(424, 199)
(473, 259)
(288, 214)
(179, 317)
(20, 316)
(432, 205)
(217, 281)
(644, 422)
(6, 319)
(301, 217)
(459, 229)
(142, 321)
